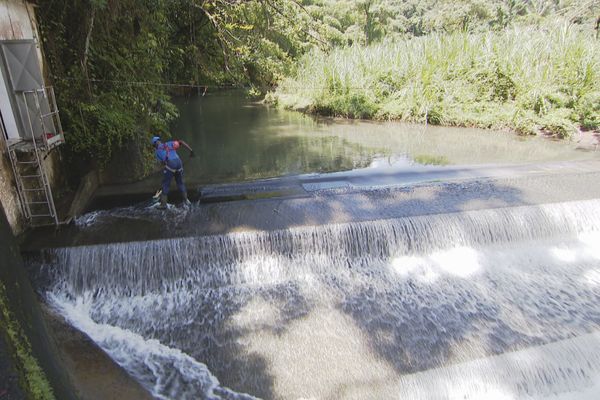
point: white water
(498, 304)
(168, 373)
(553, 371)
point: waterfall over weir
(494, 304)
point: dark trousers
(168, 176)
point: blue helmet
(155, 139)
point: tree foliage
(528, 65)
(348, 22)
(113, 62)
(549, 82)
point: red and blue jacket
(166, 153)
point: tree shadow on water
(223, 326)
(411, 324)
(417, 321)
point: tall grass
(528, 79)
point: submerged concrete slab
(365, 178)
(395, 177)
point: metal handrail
(48, 93)
(38, 148)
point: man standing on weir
(166, 153)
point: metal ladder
(28, 152)
(33, 186)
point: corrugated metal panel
(22, 64)
(6, 109)
(22, 71)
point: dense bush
(526, 78)
(115, 63)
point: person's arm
(187, 146)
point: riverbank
(530, 80)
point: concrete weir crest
(493, 302)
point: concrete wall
(8, 192)
(17, 21)
(22, 303)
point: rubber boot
(186, 201)
(163, 202)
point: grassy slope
(527, 79)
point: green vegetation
(524, 78)
(114, 63)
(427, 159)
(351, 22)
(529, 65)
(524, 64)
(33, 379)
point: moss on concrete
(32, 378)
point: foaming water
(167, 373)
(551, 371)
(213, 261)
(498, 303)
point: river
(238, 139)
(485, 289)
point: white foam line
(147, 266)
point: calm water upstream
(236, 139)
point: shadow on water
(237, 329)
(141, 222)
(422, 336)
(233, 364)
(431, 329)
(218, 337)
(252, 330)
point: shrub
(588, 111)
(522, 78)
(559, 124)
